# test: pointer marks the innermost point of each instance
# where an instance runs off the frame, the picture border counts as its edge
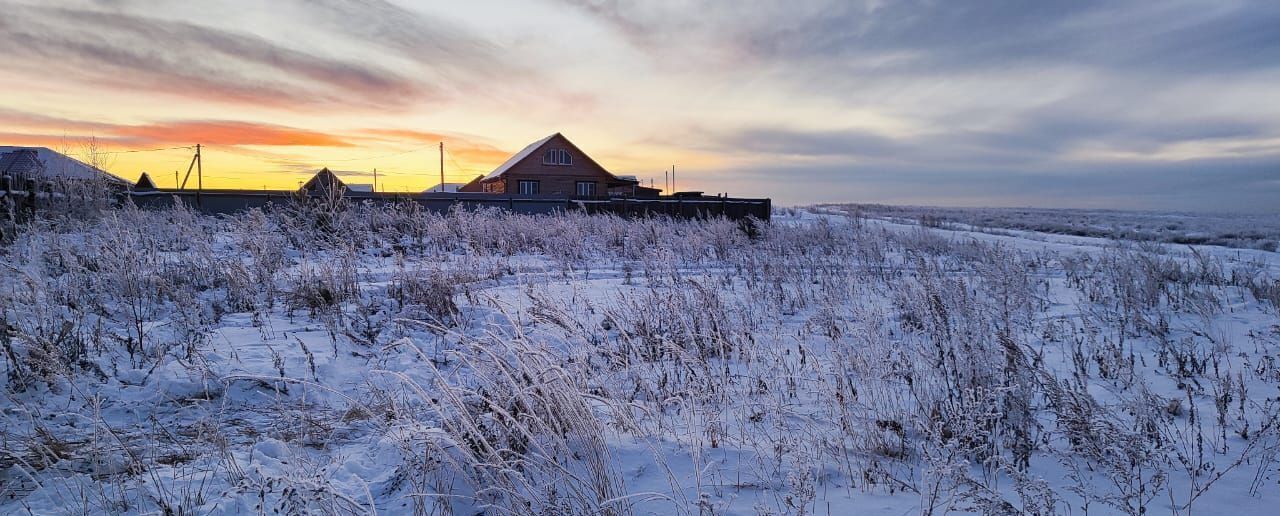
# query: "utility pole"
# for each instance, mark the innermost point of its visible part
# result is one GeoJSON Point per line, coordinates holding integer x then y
{"type": "Point", "coordinates": [375, 180]}
{"type": "Point", "coordinates": [673, 178]}
{"type": "Point", "coordinates": [199, 177]}
{"type": "Point", "coordinates": [666, 181]}
{"type": "Point", "coordinates": [175, 180]}
{"type": "Point", "coordinates": [442, 167]}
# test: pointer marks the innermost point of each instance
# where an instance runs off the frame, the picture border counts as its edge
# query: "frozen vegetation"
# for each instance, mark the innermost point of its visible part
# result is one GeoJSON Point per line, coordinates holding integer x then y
{"type": "Point", "coordinates": [330, 359]}
{"type": "Point", "coordinates": [1246, 231]}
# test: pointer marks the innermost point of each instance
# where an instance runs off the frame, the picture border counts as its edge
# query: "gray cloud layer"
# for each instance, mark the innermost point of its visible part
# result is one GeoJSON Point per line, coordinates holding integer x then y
{"type": "Point", "coordinates": [1012, 102]}
{"type": "Point", "coordinates": [931, 36]}
{"type": "Point", "coordinates": [1172, 102]}
{"type": "Point", "coordinates": [1219, 185]}
{"type": "Point", "coordinates": [120, 44]}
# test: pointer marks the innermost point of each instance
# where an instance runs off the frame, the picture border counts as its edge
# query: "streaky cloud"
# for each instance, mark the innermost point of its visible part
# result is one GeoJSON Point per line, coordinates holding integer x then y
{"type": "Point", "coordinates": [130, 51]}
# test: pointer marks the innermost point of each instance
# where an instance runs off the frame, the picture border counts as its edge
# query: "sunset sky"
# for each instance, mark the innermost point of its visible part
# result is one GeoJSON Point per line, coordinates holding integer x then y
{"type": "Point", "coordinates": [1115, 104]}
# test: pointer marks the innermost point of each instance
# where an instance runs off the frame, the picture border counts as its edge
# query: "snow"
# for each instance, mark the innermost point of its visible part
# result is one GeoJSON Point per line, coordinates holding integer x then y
{"type": "Point", "coordinates": [482, 362]}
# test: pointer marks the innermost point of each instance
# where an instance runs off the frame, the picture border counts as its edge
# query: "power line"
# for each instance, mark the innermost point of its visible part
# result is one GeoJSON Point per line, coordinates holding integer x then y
{"type": "Point", "coordinates": [146, 150]}
{"type": "Point", "coordinates": [466, 173]}
{"type": "Point", "coordinates": [455, 164]}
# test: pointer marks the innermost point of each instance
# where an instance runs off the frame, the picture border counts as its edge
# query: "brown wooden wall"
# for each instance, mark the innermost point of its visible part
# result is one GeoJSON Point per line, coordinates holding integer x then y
{"type": "Point", "coordinates": [558, 180]}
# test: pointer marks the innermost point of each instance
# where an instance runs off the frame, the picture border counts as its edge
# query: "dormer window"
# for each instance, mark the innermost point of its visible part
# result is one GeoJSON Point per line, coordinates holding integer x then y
{"type": "Point", "coordinates": [557, 157]}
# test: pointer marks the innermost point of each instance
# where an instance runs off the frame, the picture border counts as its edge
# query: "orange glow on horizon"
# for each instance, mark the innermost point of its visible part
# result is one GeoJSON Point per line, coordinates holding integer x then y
{"type": "Point", "coordinates": [255, 156]}
{"type": "Point", "coordinates": [227, 133]}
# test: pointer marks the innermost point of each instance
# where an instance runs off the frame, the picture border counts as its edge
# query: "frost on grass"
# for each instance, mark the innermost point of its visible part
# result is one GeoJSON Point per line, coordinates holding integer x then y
{"type": "Point", "coordinates": [332, 358]}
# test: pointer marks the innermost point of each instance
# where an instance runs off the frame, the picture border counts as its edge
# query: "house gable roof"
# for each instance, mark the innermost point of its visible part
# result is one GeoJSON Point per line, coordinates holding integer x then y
{"type": "Point", "coordinates": [518, 157]}
{"type": "Point", "coordinates": [533, 148]}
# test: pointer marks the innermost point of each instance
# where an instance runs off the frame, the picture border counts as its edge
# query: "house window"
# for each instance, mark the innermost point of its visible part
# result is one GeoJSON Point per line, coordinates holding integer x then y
{"type": "Point", "coordinates": [528, 187]}
{"type": "Point", "coordinates": [557, 157]}
{"type": "Point", "coordinates": [586, 189]}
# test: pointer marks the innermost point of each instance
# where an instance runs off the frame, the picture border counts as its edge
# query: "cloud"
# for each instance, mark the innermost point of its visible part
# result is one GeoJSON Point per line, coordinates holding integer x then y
{"type": "Point", "coordinates": [446, 48]}
{"type": "Point", "coordinates": [1223, 185]}
{"type": "Point", "coordinates": [1000, 84]}
{"type": "Point", "coordinates": [838, 94]}
{"type": "Point", "coordinates": [41, 127]}
{"type": "Point", "coordinates": [221, 132]}
{"type": "Point", "coordinates": [179, 58]}
{"type": "Point", "coordinates": [208, 132]}
{"type": "Point", "coordinates": [1034, 161]}
{"type": "Point", "coordinates": [51, 141]}
{"type": "Point", "coordinates": [123, 48]}
{"type": "Point", "coordinates": [926, 36]}
{"type": "Point", "coordinates": [848, 143]}
{"type": "Point", "coordinates": [1032, 141]}
{"type": "Point", "coordinates": [13, 118]}
{"type": "Point", "coordinates": [470, 148]}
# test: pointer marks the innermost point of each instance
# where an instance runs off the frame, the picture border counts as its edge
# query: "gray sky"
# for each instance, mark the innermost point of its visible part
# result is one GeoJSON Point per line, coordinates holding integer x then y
{"type": "Point", "coordinates": [1120, 104]}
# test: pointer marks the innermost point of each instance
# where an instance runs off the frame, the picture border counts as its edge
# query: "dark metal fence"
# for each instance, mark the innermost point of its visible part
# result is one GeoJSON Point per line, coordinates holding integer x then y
{"type": "Point", "coordinates": [231, 201]}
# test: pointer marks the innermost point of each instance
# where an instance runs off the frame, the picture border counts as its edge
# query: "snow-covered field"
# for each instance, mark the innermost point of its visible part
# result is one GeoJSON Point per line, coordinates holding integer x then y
{"type": "Point", "coordinates": [327, 359]}
{"type": "Point", "coordinates": [1244, 231]}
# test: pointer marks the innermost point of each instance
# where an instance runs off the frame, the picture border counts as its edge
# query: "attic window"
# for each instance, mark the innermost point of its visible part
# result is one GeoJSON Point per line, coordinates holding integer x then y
{"type": "Point", "coordinates": [557, 157]}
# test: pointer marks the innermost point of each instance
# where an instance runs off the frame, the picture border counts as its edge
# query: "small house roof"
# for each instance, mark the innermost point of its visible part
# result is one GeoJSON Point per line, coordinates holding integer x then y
{"type": "Point", "coordinates": [448, 188]}
{"type": "Point", "coordinates": [20, 162]}
{"type": "Point", "coordinates": [144, 183]}
{"type": "Point", "coordinates": [324, 179]}
{"type": "Point", "coordinates": [44, 163]}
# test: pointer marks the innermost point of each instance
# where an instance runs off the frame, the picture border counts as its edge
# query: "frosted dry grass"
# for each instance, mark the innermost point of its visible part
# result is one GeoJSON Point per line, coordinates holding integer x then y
{"type": "Point", "coordinates": [388, 359]}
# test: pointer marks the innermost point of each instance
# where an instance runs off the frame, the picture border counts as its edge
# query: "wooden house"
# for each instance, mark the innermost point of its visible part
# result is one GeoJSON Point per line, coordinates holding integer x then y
{"type": "Point", "coordinates": [552, 166]}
